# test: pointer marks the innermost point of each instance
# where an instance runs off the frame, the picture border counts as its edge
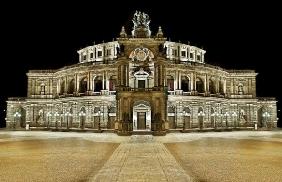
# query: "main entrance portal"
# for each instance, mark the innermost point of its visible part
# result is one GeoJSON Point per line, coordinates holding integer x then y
{"type": "Point", "coordinates": [141, 116]}
{"type": "Point", "coordinates": [141, 120]}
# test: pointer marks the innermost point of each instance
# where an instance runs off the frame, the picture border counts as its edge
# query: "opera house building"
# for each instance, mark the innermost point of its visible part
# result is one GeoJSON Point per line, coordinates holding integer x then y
{"type": "Point", "coordinates": [141, 83]}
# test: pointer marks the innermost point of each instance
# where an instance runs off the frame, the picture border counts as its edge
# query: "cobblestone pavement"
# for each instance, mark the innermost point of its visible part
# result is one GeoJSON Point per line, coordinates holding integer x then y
{"type": "Point", "coordinates": [141, 159]}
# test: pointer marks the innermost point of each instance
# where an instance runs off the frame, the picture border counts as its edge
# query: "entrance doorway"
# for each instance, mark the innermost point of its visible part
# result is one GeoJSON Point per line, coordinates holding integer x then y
{"type": "Point", "coordinates": [141, 120]}
{"type": "Point", "coordinates": [141, 116]}
{"type": "Point", "coordinates": [141, 83]}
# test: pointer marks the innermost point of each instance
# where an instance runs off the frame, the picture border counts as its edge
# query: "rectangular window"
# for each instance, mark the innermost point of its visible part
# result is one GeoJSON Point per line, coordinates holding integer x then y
{"type": "Point", "coordinates": [183, 53]}
{"type": "Point", "coordinates": [91, 55]}
{"type": "Point", "coordinates": [198, 57]}
{"type": "Point", "coordinates": [191, 56]}
{"type": "Point", "coordinates": [175, 52]}
{"type": "Point", "coordinates": [84, 57]}
{"type": "Point", "coordinates": [42, 89]}
{"type": "Point", "coordinates": [170, 84]}
{"type": "Point", "coordinates": [108, 52]}
{"type": "Point", "coordinates": [99, 53]}
{"type": "Point", "coordinates": [172, 52]}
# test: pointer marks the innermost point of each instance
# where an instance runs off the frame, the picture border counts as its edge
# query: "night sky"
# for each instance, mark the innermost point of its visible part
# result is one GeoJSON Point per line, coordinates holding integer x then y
{"type": "Point", "coordinates": [47, 36]}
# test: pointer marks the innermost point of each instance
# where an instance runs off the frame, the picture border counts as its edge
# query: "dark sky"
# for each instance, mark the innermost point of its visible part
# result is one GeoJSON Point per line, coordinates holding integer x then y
{"type": "Point", "coordinates": [47, 36]}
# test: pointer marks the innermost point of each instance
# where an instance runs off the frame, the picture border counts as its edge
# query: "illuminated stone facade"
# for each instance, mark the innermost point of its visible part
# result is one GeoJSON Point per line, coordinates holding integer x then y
{"type": "Point", "coordinates": [141, 82]}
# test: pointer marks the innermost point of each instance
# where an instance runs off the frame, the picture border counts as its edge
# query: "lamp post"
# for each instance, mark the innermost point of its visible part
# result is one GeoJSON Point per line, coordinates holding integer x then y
{"type": "Point", "coordinates": [201, 114]}
{"type": "Point", "coordinates": [226, 119]}
{"type": "Point", "coordinates": [49, 114]}
{"type": "Point", "coordinates": [56, 116]}
{"type": "Point", "coordinates": [265, 115]}
{"type": "Point", "coordinates": [16, 115]}
{"type": "Point", "coordinates": [81, 115]}
{"type": "Point", "coordinates": [234, 115]}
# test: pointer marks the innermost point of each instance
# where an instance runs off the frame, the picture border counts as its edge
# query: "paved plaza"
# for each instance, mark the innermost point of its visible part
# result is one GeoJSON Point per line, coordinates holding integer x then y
{"type": "Point", "coordinates": [70, 156]}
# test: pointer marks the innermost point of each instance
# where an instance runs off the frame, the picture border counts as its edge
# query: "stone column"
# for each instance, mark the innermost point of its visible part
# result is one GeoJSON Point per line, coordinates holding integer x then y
{"type": "Point", "coordinates": [77, 83]}
{"type": "Point", "coordinates": [66, 84]}
{"type": "Point", "coordinates": [127, 75]}
{"type": "Point", "coordinates": [179, 80]}
{"type": "Point", "coordinates": [107, 82]}
{"type": "Point", "coordinates": [156, 72]}
{"type": "Point", "coordinates": [103, 82]}
{"type": "Point", "coordinates": [91, 82]}
{"type": "Point", "coordinates": [58, 86]}
{"type": "Point", "coordinates": [205, 83]}
{"type": "Point", "coordinates": [224, 86]}
{"type": "Point", "coordinates": [176, 80]}
{"type": "Point", "coordinates": [195, 81]}
{"type": "Point", "coordinates": [88, 82]}
{"type": "Point", "coordinates": [217, 85]}
{"type": "Point", "coordinates": [208, 83]}
{"type": "Point", "coordinates": [192, 82]}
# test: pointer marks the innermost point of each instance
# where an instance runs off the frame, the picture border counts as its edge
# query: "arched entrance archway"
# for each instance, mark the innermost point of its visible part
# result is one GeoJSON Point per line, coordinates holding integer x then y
{"type": "Point", "coordinates": [141, 115]}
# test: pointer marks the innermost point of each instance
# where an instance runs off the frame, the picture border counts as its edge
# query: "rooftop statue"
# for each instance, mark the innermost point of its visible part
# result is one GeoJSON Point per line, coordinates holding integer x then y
{"type": "Point", "coordinates": [141, 19]}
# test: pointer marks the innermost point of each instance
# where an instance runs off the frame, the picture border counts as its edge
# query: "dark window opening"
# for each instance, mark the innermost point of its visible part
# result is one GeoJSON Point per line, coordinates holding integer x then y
{"type": "Point", "coordinates": [200, 86]}
{"type": "Point", "coordinates": [183, 53]}
{"type": "Point", "coordinates": [71, 87]}
{"type": "Point", "coordinates": [98, 86]}
{"type": "Point", "coordinates": [91, 55]}
{"type": "Point", "coordinates": [221, 90]}
{"type": "Point", "coordinates": [141, 83]}
{"type": "Point", "coordinates": [191, 56]}
{"type": "Point", "coordinates": [170, 84]}
{"type": "Point", "coordinates": [108, 52]}
{"type": "Point", "coordinates": [99, 53]}
{"type": "Point", "coordinates": [112, 85]}
{"type": "Point", "coordinates": [212, 87]}
{"type": "Point", "coordinates": [42, 89]}
{"type": "Point", "coordinates": [185, 85]}
{"type": "Point", "coordinates": [83, 86]}
{"type": "Point", "coordinates": [62, 89]}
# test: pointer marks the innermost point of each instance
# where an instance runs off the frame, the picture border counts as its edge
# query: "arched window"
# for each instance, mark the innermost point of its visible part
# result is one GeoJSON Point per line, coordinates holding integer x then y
{"type": "Point", "coordinates": [83, 85]}
{"type": "Point", "coordinates": [71, 87]}
{"type": "Point", "coordinates": [200, 85]}
{"type": "Point", "coordinates": [212, 87]}
{"type": "Point", "coordinates": [62, 89]}
{"type": "Point", "coordinates": [170, 83]}
{"type": "Point", "coordinates": [98, 85]}
{"type": "Point", "coordinates": [221, 90]}
{"type": "Point", "coordinates": [185, 84]}
{"type": "Point", "coordinates": [112, 83]}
